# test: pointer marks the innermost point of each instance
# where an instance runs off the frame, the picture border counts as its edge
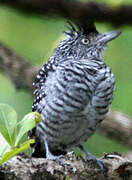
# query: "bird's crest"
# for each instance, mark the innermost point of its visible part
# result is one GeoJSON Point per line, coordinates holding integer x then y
{"type": "Point", "coordinates": [80, 29]}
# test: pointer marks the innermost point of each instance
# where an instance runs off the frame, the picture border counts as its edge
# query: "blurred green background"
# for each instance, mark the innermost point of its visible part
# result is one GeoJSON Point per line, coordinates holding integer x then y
{"type": "Point", "coordinates": [33, 38]}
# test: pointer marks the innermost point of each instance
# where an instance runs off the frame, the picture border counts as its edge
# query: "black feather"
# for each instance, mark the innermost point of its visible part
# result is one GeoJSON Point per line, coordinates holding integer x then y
{"type": "Point", "coordinates": [80, 28]}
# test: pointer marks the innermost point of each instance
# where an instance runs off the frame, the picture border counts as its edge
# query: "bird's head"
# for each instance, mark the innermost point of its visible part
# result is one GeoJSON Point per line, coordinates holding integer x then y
{"type": "Point", "coordinates": [86, 42]}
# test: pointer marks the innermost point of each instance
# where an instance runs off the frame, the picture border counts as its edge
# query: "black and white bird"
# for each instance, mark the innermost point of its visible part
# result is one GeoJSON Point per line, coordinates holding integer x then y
{"type": "Point", "coordinates": [73, 91]}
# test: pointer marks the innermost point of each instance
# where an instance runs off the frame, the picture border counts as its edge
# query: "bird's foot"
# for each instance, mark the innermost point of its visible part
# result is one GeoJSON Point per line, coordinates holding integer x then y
{"type": "Point", "coordinates": [56, 158]}
{"type": "Point", "coordinates": [93, 158]}
{"type": "Point", "coordinates": [52, 157]}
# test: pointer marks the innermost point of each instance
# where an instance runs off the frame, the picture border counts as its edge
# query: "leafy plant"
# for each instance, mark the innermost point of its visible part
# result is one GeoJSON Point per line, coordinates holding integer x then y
{"type": "Point", "coordinates": [13, 131]}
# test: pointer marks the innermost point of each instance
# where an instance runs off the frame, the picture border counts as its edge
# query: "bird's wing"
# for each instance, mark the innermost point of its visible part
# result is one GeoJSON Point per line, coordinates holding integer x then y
{"type": "Point", "coordinates": [39, 83]}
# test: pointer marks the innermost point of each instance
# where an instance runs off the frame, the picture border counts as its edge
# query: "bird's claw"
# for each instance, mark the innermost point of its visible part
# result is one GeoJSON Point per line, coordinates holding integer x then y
{"type": "Point", "coordinates": [98, 162]}
{"type": "Point", "coordinates": [57, 159]}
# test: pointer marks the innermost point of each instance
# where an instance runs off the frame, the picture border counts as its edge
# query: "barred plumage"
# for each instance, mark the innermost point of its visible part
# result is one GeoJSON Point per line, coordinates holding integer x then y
{"type": "Point", "coordinates": [73, 91]}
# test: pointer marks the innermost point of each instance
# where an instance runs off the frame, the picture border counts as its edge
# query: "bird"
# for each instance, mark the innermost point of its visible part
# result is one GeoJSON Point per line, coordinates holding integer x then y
{"type": "Point", "coordinates": [73, 92]}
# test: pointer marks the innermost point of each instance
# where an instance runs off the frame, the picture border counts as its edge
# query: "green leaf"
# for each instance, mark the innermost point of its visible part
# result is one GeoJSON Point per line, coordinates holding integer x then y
{"type": "Point", "coordinates": [29, 121]}
{"type": "Point", "coordinates": [8, 121]}
{"type": "Point", "coordinates": [16, 150]}
{"type": "Point", "coordinates": [3, 149]}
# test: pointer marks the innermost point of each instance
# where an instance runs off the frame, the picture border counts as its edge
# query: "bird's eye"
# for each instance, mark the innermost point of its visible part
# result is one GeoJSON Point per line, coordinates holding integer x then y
{"type": "Point", "coordinates": [85, 41]}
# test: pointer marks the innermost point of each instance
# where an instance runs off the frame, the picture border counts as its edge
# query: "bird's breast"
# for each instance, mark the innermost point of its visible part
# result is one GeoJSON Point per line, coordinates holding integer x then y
{"type": "Point", "coordinates": [103, 95]}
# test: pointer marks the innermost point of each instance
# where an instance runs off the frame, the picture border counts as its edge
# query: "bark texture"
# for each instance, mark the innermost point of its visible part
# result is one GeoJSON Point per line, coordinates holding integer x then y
{"type": "Point", "coordinates": [117, 167]}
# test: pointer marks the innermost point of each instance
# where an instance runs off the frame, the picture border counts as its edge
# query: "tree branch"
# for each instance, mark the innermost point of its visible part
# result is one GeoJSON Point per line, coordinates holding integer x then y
{"type": "Point", "coordinates": [116, 168]}
{"type": "Point", "coordinates": [20, 71]}
{"type": "Point", "coordinates": [118, 126]}
{"type": "Point", "coordinates": [75, 10]}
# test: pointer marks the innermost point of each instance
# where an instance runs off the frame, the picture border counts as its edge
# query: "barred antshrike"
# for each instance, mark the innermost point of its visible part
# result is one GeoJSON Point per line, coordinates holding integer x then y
{"type": "Point", "coordinates": [73, 92]}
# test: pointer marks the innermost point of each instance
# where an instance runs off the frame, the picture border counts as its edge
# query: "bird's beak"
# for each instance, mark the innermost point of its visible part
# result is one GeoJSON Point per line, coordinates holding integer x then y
{"type": "Point", "coordinates": [106, 37]}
